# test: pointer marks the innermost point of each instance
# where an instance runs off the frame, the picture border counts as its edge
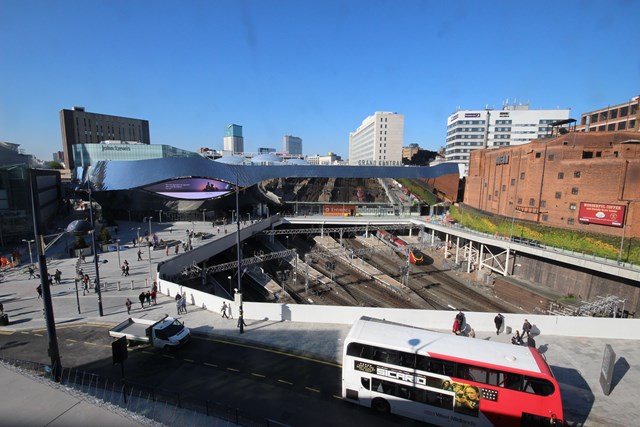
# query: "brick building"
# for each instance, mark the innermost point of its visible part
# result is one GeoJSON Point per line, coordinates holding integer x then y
{"type": "Point", "coordinates": [584, 181]}
{"type": "Point", "coordinates": [621, 117]}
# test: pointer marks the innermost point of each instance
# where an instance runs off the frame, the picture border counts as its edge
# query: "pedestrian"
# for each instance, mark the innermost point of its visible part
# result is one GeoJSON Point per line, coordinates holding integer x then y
{"type": "Point", "coordinates": [85, 287]}
{"type": "Point", "coordinates": [126, 269]}
{"type": "Point", "coordinates": [39, 290]}
{"type": "Point", "coordinates": [147, 297]}
{"type": "Point", "coordinates": [177, 248]}
{"type": "Point", "coordinates": [139, 255]}
{"type": "Point", "coordinates": [1, 309]}
{"type": "Point", "coordinates": [223, 310]}
{"type": "Point", "coordinates": [241, 320]}
{"type": "Point", "coordinates": [498, 322]}
{"type": "Point", "coordinates": [82, 255]}
{"type": "Point", "coordinates": [516, 339]}
{"type": "Point", "coordinates": [526, 328]}
{"type": "Point", "coordinates": [122, 270]}
{"type": "Point", "coordinates": [170, 229]}
{"type": "Point", "coordinates": [183, 303]}
{"type": "Point", "coordinates": [178, 303]}
{"type": "Point", "coordinates": [31, 272]}
{"type": "Point", "coordinates": [57, 276]}
{"type": "Point", "coordinates": [166, 249]}
{"type": "Point", "coordinates": [142, 297]}
{"type": "Point", "coordinates": [461, 320]}
{"type": "Point", "coordinates": [128, 304]}
{"type": "Point", "coordinates": [153, 295]}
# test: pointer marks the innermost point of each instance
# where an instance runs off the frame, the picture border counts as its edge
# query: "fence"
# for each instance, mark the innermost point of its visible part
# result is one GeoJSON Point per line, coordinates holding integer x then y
{"type": "Point", "coordinates": [154, 403]}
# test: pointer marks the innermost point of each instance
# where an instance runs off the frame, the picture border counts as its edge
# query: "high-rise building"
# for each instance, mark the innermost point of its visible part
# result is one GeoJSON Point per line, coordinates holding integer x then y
{"type": "Point", "coordinates": [233, 140]}
{"type": "Point", "coordinates": [621, 117]}
{"type": "Point", "coordinates": [469, 130]}
{"type": "Point", "coordinates": [378, 140]}
{"type": "Point", "coordinates": [81, 127]}
{"type": "Point", "coordinates": [292, 145]}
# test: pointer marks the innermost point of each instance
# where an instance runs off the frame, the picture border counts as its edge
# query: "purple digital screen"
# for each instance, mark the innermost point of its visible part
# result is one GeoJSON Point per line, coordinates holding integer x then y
{"type": "Point", "coordinates": [192, 188]}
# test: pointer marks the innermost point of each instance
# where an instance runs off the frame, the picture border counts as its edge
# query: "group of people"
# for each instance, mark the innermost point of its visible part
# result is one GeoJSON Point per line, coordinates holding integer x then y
{"type": "Point", "coordinates": [125, 268]}
{"type": "Point", "coordinates": [519, 339]}
{"type": "Point", "coordinates": [149, 297]}
{"type": "Point", "coordinates": [459, 328]}
{"type": "Point", "coordinates": [181, 303]}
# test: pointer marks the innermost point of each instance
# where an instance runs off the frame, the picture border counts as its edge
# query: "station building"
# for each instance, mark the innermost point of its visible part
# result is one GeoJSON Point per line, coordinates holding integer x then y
{"type": "Point", "coordinates": [620, 117]}
{"type": "Point", "coordinates": [583, 181]}
{"type": "Point", "coordinates": [378, 140]}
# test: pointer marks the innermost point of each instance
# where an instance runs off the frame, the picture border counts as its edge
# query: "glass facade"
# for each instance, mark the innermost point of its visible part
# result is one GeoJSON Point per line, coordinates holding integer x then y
{"type": "Point", "coordinates": [87, 154]}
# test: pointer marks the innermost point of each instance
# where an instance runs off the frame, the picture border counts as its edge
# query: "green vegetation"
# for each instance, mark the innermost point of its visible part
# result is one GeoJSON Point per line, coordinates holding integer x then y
{"type": "Point", "coordinates": [600, 245]}
{"type": "Point", "coordinates": [422, 192]}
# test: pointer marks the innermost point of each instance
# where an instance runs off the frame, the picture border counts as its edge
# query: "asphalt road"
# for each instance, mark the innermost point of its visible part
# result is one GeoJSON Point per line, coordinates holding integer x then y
{"type": "Point", "coordinates": [287, 388]}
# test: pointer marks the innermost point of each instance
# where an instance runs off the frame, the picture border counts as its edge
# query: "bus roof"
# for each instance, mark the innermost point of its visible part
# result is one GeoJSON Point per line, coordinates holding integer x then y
{"type": "Point", "coordinates": [412, 339]}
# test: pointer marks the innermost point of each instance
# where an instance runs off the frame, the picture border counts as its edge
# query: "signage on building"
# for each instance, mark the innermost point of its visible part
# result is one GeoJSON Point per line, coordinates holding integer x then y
{"type": "Point", "coordinates": [338, 210]}
{"type": "Point", "coordinates": [192, 188]}
{"type": "Point", "coordinates": [504, 114]}
{"type": "Point", "coordinates": [471, 115]}
{"type": "Point", "coordinates": [115, 147]}
{"type": "Point", "coordinates": [602, 213]}
{"type": "Point", "coordinates": [502, 160]}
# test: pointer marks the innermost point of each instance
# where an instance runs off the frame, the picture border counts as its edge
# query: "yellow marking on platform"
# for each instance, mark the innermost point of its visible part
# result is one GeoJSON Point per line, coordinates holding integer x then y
{"type": "Point", "coordinates": [233, 369]}
{"type": "Point", "coordinates": [285, 382]}
{"type": "Point", "coordinates": [38, 335]}
{"type": "Point", "coordinates": [258, 375]}
{"type": "Point", "coordinates": [282, 353]}
{"type": "Point", "coordinates": [6, 332]}
{"type": "Point", "coordinates": [312, 389]}
{"type": "Point", "coordinates": [25, 333]}
{"type": "Point", "coordinates": [211, 364]}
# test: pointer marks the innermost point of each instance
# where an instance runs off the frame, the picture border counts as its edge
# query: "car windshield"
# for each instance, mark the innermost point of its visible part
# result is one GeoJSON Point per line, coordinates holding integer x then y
{"type": "Point", "coordinates": [174, 328]}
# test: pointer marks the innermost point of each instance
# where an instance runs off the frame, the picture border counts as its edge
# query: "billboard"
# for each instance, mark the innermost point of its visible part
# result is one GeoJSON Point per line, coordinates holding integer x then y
{"type": "Point", "coordinates": [602, 213]}
{"type": "Point", "coordinates": [192, 188]}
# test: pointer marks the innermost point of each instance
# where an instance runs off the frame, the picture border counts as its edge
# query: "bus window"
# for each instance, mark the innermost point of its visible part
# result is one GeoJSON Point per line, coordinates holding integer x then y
{"type": "Point", "coordinates": [513, 381]}
{"type": "Point", "coordinates": [538, 386]}
{"type": "Point", "coordinates": [477, 374]}
{"type": "Point", "coordinates": [366, 382]}
{"type": "Point", "coordinates": [408, 360]}
{"type": "Point", "coordinates": [359, 350]}
{"type": "Point", "coordinates": [496, 378]}
{"type": "Point", "coordinates": [441, 367]}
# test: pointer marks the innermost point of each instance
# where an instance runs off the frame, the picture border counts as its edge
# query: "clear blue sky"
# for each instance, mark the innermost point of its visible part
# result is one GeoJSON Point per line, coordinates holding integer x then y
{"type": "Point", "coordinates": [313, 69]}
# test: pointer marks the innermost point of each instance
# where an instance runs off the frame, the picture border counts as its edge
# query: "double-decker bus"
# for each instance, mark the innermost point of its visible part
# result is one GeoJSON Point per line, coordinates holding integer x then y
{"type": "Point", "coordinates": [399, 245]}
{"type": "Point", "coordinates": [447, 379]}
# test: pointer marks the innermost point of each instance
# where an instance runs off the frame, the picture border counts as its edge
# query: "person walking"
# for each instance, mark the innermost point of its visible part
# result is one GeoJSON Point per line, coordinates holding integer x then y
{"type": "Point", "coordinates": [139, 255]}
{"type": "Point", "coordinates": [85, 287]}
{"type": "Point", "coordinates": [142, 297]}
{"type": "Point", "coordinates": [223, 310]}
{"type": "Point", "coordinates": [31, 272]}
{"type": "Point", "coordinates": [128, 305]}
{"type": "Point", "coordinates": [39, 290]}
{"type": "Point", "coordinates": [123, 270]}
{"type": "Point", "coordinates": [498, 322]}
{"type": "Point", "coordinates": [179, 303]}
{"type": "Point", "coordinates": [126, 268]}
{"type": "Point", "coordinates": [526, 328]}
{"type": "Point", "coordinates": [57, 276]}
{"type": "Point", "coordinates": [183, 303]}
{"type": "Point", "coordinates": [147, 297]}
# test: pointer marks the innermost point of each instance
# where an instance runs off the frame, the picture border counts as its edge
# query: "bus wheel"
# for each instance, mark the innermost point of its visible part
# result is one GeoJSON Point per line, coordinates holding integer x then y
{"type": "Point", "coordinates": [380, 405]}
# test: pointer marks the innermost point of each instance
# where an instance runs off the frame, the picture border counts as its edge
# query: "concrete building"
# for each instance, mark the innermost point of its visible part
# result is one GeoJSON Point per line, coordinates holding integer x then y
{"type": "Point", "coordinates": [81, 127]}
{"type": "Point", "coordinates": [329, 159]}
{"type": "Point", "coordinates": [469, 130]}
{"type": "Point", "coordinates": [583, 181]}
{"type": "Point", "coordinates": [292, 145]}
{"type": "Point", "coordinates": [378, 140]}
{"type": "Point", "coordinates": [621, 117]}
{"type": "Point", "coordinates": [233, 140]}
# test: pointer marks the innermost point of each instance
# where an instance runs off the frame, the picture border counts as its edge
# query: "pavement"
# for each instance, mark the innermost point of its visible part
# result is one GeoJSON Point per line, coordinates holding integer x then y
{"type": "Point", "coordinates": [576, 361]}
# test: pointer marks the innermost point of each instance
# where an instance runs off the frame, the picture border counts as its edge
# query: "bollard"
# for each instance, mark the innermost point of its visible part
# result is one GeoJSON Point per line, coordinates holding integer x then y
{"type": "Point", "coordinates": [146, 283]}
{"type": "Point", "coordinates": [118, 285]}
{"type": "Point", "coordinates": [132, 285]}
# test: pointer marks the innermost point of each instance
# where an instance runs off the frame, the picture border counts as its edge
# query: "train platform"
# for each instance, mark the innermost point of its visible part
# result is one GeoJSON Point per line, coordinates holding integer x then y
{"type": "Point", "coordinates": [576, 361]}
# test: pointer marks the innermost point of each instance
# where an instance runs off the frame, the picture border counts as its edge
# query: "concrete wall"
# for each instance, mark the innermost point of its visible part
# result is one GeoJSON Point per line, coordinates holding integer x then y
{"type": "Point", "coordinates": [591, 327]}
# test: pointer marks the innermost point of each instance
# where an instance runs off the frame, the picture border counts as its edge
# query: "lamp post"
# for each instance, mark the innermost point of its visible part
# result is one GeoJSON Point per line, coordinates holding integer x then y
{"type": "Point", "coordinates": [159, 216]}
{"type": "Point", "coordinates": [148, 219]}
{"type": "Point", "coordinates": [233, 215]}
{"type": "Point", "coordinates": [118, 250]}
{"type": "Point", "coordinates": [239, 291]}
{"type": "Point", "coordinates": [204, 211]}
{"type": "Point", "coordinates": [79, 228]}
{"type": "Point", "coordinates": [29, 242]}
{"type": "Point", "coordinates": [54, 353]}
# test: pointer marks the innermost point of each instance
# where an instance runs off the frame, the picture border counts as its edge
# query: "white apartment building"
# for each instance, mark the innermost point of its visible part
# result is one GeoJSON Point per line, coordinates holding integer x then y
{"type": "Point", "coordinates": [378, 140]}
{"type": "Point", "coordinates": [469, 130]}
{"type": "Point", "coordinates": [292, 145]}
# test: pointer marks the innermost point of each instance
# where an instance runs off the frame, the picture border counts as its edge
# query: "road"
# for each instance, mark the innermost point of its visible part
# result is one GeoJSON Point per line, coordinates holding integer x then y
{"type": "Point", "coordinates": [267, 383]}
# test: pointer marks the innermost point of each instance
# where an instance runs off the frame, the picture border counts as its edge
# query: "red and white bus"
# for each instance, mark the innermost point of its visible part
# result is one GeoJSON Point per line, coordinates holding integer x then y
{"type": "Point", "coordinates": [446, 379]}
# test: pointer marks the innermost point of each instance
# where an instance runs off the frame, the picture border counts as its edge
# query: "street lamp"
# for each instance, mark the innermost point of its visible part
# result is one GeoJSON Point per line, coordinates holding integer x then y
{"type": "Point", "coordinates": [81, 227]}
{"type": "Point", "coordinates": [203, 215]}
{"type": "Point", "coordinates": [29, 242]}
{"type": "Point", "coordinates": [118, 250]}
{"type": "Point", "coordinates": [54, 353]}
{"type": "Point", "coordinates": [77, 227]}
{"type": "Point", "coordinates": [148, 219]}
{"type": "Point", "coordinates": [230, 285]}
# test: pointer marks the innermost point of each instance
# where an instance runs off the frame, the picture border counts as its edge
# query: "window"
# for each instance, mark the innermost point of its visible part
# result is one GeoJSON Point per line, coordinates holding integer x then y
{"type": "Point", "coordinates": [598, 153]}
{"type": "Point", "coordinates": [576, 174]}
{"type": "Point", "coordinates": [496, 193]}
{"type": "Point", "coordinates": [504, 187]}
{"type": "Point", "coordinates": [587, 154]}
{"type": "Point", "coordinates": [519, 200]}
{"type": "Point", "coordinates": [538, 155]}
{"type": "Point", "coordinates": [560, 175]}
{"type": "Point", "coordinates": [551, 157]}
{"type": "Point", "coordinates": [532, 202]}
{"type": "Point", "coordinates": [570, 221]}
{"type": "Point", "coordinates": [622, 125]}
{"type": "Point", "coordinates": [543, 203]}
{"type": "Point", "coordinates": [545, 217]}
{"type": "Point", "coordinates": [513, 181]}
{"type": "Point", "coordinates": [521, 175]}
{"type": "Point", "coordinates": [574, 191]}
{"type": "Point", "coordinates": [558, 195]}
{"type": "Point", "coordinates": [572, 206]}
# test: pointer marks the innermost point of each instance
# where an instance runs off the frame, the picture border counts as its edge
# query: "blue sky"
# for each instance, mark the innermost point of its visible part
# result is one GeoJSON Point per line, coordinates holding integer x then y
{"type": "Point", "coordinates": [313, 69]}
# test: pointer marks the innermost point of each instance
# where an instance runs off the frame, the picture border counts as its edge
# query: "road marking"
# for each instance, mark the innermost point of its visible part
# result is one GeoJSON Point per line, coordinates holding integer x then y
{"type": "Point", "coordinates": [313, 389]}
{"type": "Point", "coordinates": [69, 339]}
{"type": "Point", "coordinates": [233, 369]}
{"type": "Point", "coordinates": [90, 343]}
{"type": "Point", "coordinates": [211, 364]}
{"type": "Point", "coordinates": [337, 397]}
{"type": "Point", "coordinates": [285, 382]}
{"type": "Point", "coordinates": [282, 353]}
{"type": "Point", "coordinates": [188, 360]}
{"type": "Point", "coordinates": [38, 335]}
{"type": "Point", "coordinates": [168, 356]}
{"type": "Point", "coordinates": [258, 375]}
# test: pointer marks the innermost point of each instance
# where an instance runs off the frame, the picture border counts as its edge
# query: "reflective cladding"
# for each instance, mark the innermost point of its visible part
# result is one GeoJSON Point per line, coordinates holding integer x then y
{"type": "Point", "coordinates": [126, 175]}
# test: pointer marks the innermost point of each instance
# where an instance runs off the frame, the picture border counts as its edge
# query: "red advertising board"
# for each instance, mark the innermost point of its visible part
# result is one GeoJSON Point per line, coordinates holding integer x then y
{"type": "Point", "coordinates": [602, 213]}
{"type": "Point", "coordinates": [338, 210]}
